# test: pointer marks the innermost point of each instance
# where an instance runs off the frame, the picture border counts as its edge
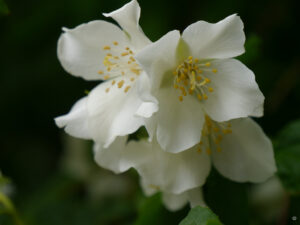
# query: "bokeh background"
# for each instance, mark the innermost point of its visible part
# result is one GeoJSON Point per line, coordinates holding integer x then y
{"type": "Point", "coordinates": [53, 177]}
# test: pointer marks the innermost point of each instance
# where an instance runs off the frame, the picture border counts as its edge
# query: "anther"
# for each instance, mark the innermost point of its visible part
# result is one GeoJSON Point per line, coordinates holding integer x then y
{"type": "Point", "coordinates": [116, 43]}
{"type": "Point", "coordinates": [180, 98]}
{"type": "Point", "coordinates": [214, 70]}
{"type": "Point", "coordinates": [207, 80]}
{"type": "Point", "coordinates": [199, 97]}
{"type": "Point", "coordinates": [106, 47]}
{"type": "Point", "coordinates": [113, 82]}
{"type": "Point", "coordinates": [106, 77]}
{"type": "Point", "coordinates": [100, 72]}
{"type": "Point", "coordinates": [136, 71]}
{"type": "Point", "coordinates": [107, 90]}
{"type": "Point", "coordinates": [132, 79]}
{"type": "Point", "coordinates": [210, 89]}
{"type": "Point", "coordinates": [207, 64]}
{"type": "Point", "coordinates": [124, 53]}
{"type": "Point", "coordinates": [120, 83]}
{"type": "Point", "coordinates": [205, 97]}
{"type": "Point", "coordinates": [126, 88]}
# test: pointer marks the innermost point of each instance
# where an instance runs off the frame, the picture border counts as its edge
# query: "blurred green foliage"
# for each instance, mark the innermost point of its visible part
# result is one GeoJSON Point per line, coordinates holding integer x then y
{"type": "Point", "coordinates": [34, 89]}
{"type": "Point", "coordinates": [3, 8]}
{"type": "Point", "coordinates": [288, 157]}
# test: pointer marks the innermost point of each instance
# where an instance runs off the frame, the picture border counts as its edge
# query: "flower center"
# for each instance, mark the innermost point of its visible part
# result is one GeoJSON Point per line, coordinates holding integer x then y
{"type": "Point", "coordinates": [191, 77]}
{"type": "Point", "coordinates": [212, 135]}
{"type": "Point", "coordinates": [119, 61]}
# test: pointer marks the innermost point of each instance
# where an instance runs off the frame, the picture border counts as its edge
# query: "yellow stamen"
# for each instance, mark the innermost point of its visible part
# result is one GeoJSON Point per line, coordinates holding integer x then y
{"type": "Point", "coordinates": [198, 78]}
{"type": "Point", "coordinates": [214, 70]}
{"type": "Point", "coordinates": [210, 89]}
{"type": "Point", "coordinates": [106, 47]}
{"type": "Point", "coordinates": [116, 43]}
{"type": "Point", "coordinates": [136, 71]}
{"type": "Point", "coordinates": [100, 72]}
{"type": "Point", "coordinates": [207, 80]}
{"type": "Point", "coordinates": [132, 79]}
{"type": "Point", "coordinates": [207, 64]}
{"type": "Point", "coordinates": [106, 77]}
{"type": "Point", "coordinates": [180, 98]}
{"type": "Point", "coordinates": [126, 89]}
{"type": "Point", "coordinates": [120, 83]}
{"type": "Point", "coordinates": [199, 96]}
{"type": "Point", "coordinates": [124, 53]}
{"type": "Point", "coordinates": [113, 82]}
{"type": "Point", "coordinates": [107, 90]}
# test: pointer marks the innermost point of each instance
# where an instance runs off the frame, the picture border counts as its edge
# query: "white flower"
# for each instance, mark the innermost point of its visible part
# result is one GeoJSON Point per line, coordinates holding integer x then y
{"type": "Point", "coordinates": [100, 50]}
{"type": "Point", "coordinates": [238, 149]}
{"type": "Point", "coordinates": [175, 202]}
{"type": "Point", "coordinates": [193, 74]}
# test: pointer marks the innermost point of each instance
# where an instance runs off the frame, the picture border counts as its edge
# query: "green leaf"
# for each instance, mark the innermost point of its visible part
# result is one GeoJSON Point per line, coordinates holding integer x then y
{"type": "Point", "coordinates": [287, 154]}
{"type": "Point", "coordinates": [3, 8]}
{"type": "Point", "coordinates": [201, 216]}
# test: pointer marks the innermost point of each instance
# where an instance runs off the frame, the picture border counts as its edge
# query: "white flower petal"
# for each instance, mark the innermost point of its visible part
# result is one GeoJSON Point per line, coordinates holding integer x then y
{"type": "Point", "coordinates": [147, 109]}
{"type": "Point", "coordinates": [174, 202]}
{"type": "Point", "coordinates": [247, 153]}
{"type": "Point", "coordinates": [174, 173]}
{"type": "Point", "coordinates": [224, 39]}
{"type": "Point", "coordinates": [235, 95]}
{"type": "Point", "coordinates": [158, 58]}
{"type": "Point", "coordinates": [128, 18]}
{"type": "Point", "coordinates": [76, 122]}
{"type": "Point", "coordinates": [80, 50]}
{"type": "Point", "coordinates": [195, 197]}
{"type": "Point", "coordinates": [150, 103]}
{"type": "Point", "coordinates": [112, 158]}
{"type": "Point", "coordinates": [179, 124]}
{"type": "Point", "coordinates": [112, 113]}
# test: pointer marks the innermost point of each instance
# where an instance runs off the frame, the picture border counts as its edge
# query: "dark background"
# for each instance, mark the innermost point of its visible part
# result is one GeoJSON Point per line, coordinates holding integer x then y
{"type": "Point", "coordinates": [34, 89]}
